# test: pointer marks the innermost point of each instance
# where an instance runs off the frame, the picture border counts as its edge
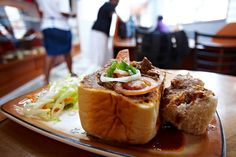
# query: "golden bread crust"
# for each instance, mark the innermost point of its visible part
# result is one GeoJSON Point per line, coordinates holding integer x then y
{"type": "Point", "coordinates": [115, 117]}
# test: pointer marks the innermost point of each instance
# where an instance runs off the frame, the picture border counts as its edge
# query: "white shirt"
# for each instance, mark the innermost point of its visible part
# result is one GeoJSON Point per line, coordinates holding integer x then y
{"type": "Point", "coordinates": [52, 17]}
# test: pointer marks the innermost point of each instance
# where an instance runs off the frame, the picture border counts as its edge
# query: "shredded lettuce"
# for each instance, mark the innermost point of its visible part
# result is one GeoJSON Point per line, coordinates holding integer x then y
{"type": "Point", "coordinates": [60, 95]}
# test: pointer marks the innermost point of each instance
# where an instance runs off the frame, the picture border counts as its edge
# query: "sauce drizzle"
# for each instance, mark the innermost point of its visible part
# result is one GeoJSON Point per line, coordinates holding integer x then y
{"type": "Point", "coordinates": [167, 138]}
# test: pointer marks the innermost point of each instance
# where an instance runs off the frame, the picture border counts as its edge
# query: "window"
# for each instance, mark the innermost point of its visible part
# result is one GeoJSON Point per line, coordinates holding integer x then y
{"type": "Point", "coordinates": [189, 11]}
{"type": "Point", "coordinates": [16, 21]}
{"type": "Point", "coordinates": [232, 11]}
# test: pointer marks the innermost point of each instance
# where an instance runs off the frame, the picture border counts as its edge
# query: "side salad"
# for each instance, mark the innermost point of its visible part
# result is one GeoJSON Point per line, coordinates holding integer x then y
{"type": "Point", "coordinates": [49, 103]}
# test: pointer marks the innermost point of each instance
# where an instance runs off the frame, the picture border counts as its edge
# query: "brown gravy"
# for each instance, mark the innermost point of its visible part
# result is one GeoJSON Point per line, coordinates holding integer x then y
{"type": "Point", "coordinates": [167, 138]}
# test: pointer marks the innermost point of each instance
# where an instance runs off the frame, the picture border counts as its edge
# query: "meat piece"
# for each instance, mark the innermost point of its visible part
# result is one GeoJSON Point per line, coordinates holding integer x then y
{"type": "Point", "coordinates": [188, 105]}
{"type": "Point", "coordinates": [147, 69]}
{"type": "Point", "coordinates": [145, 65]}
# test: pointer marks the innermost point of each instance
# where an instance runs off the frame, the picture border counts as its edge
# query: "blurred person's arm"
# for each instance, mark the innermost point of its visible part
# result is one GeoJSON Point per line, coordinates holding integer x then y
{"type": "Point", "coordinates": [65, 9]}
{"type": "Point", "coordinates": [39, 9]}
{"type": "Point", "coordinates": [110, 10]}
{"type": "Point", "coordinates": [69, 15]}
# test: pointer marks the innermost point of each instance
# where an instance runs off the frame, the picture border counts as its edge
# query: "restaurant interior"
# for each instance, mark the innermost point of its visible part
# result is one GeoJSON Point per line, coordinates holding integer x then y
{"type": "Point", "coordinates": [133, 28]}
{"type": "Point", "coordinates": [201, 37]}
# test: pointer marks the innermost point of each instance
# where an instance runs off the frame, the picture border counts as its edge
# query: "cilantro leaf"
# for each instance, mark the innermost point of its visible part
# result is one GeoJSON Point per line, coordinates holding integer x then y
{"type": "Point", "coordinates": [112, 68]}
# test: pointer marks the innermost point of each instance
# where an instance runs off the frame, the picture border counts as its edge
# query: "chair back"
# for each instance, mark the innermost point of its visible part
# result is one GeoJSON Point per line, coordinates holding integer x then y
{"type": "Point", "coordinates": [214, 57]}
{"type": "Point", "coordinates": [155, 46]}
{"type": "Point", "coordinates": [160, 48]}
{"type": "Point", "coordinates": [164, 55]}
{"type": "Point", "coordinates": [180, 47]}
{"type": "Point", "coordinates": [143, 38]}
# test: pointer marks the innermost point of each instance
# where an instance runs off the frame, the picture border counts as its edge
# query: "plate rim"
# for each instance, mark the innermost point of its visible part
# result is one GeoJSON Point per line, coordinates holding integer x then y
{"type": "Point", "coordinates": [223, 143]}
{"type": "Point", "coordinates": [62, 138]}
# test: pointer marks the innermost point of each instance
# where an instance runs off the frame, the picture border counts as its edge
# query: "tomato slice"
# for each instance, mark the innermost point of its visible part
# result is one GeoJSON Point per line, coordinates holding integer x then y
{"type": "Point", "coordinates": [123, 55]}
{"type": "Point", "coordinates": [137, 88]}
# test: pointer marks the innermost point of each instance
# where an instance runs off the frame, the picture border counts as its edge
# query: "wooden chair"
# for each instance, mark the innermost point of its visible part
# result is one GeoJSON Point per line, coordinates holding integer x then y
{"type": "Point", "coordinates": [143, 39]}
{"type": "Point", "coordinates": [155, 46]}
{"type": "Point", "coordinates": [214, 57]}
{"type": "Point", "coordinates": [180, 48]}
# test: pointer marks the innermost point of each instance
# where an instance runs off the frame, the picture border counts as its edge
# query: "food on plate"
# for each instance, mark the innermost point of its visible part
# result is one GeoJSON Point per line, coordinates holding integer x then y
{"type": "Point", "coordinates": [188, 105]}
{"type": "Point", "coordinates": [49, 103]}
{"type": "Point", "coordinates": [120, 102]}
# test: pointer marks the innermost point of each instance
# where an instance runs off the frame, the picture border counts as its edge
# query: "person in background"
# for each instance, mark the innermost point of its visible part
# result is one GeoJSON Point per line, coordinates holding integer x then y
{"type": "Point", "coordinates": [57, 37]}
{"type": "Point", "coordinates": [161, 27]}
{"type": "Point", "coordinates": [100, 33]}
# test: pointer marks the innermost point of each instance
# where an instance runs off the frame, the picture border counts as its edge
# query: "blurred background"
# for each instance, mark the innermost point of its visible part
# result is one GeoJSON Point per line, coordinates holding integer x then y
{"type": "Point", "coordinates": [134, 26]}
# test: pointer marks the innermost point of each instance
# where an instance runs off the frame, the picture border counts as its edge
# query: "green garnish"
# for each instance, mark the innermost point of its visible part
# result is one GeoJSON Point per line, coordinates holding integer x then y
{"type": "Point", "coordinates": [112, 68]}
{"type": "Point", "coordinates": [134, 71]}
{"type": "Point", "coordinates": [121, 66]}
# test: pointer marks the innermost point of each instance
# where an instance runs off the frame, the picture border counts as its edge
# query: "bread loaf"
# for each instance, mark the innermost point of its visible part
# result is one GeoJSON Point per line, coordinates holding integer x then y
{"type": "Point", "coordinates": [188, 105]}
{"type": "Point", "coordinates": [113, 116]}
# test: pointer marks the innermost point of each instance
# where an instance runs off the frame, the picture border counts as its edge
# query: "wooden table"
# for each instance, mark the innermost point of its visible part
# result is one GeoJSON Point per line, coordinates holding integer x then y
{"type": "Point", "coordinates": [19, 71]}
{"type": "Point", "coordinates": [18, 141]}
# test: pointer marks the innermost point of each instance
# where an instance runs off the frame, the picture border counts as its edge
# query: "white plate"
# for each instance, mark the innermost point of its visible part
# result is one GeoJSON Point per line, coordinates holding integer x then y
{"type": "Point", "coordinates": [170, 142]}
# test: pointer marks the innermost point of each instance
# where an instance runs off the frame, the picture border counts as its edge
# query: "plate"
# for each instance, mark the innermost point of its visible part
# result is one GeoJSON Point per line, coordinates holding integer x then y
{"type": "Point", "coordinates": [168, 142]}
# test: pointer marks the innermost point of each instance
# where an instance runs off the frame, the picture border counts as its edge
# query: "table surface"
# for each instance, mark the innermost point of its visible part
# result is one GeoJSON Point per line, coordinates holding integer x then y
{"type": "Point", "coordinates": [127, 43]}
{"type": "Point", "coordinates": [17, 140]}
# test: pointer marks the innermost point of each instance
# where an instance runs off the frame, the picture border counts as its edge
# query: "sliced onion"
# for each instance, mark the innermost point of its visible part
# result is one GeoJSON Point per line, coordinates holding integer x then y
{"type": "Point", "coordinates": [136, 76]}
